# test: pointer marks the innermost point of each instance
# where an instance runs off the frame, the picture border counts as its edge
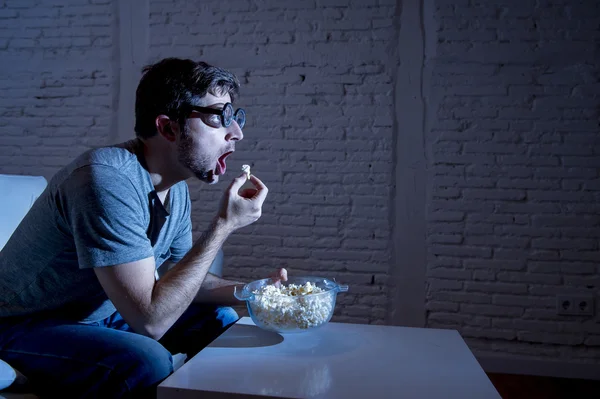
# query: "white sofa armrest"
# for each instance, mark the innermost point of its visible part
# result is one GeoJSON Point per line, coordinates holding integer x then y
{"type": "Point", "coordinates": [18, 193]}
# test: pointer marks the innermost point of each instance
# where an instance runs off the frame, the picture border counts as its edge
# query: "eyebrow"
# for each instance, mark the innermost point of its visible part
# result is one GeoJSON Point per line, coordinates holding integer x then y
{"type": "Point", "coordinates": [215, 105]}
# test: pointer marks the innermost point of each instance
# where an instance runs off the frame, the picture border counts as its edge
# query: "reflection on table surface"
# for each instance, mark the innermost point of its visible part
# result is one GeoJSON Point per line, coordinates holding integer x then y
{"type": "Point", "coordinates": [245, 336]}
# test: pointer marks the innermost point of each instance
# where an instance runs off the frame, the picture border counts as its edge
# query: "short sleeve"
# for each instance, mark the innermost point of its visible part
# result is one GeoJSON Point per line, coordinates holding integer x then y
{"type": "Point", "coordinates": [106, 217]}
{"type": "Point", "coordinates": [182, 242]}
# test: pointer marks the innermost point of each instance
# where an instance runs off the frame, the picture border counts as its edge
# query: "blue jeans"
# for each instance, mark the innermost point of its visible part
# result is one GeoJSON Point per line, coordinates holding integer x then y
{"type": "Point", "coordinates": [105, 359]}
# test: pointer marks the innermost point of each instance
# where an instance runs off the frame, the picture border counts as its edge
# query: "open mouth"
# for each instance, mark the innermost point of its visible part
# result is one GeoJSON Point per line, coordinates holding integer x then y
{"type": "Point", "coordinates": [221, 166]}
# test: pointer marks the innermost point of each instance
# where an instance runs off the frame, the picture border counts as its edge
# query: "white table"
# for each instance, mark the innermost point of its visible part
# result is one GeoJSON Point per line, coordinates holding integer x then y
{"type": "Point", "coordinates": [336, 361]}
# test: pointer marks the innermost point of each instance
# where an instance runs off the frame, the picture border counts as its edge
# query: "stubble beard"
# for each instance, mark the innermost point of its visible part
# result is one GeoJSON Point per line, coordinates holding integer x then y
{"type": "Point", "coordinates": [198, 166]}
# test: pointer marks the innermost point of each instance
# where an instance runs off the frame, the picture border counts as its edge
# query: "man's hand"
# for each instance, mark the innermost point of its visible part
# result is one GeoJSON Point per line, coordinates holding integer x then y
{"type": "Point", "coordinates": [216, 290]}
{"type": "Point", "coordinates": [279, 276]}
{"type": "Point", "coordinates": [241, 208]}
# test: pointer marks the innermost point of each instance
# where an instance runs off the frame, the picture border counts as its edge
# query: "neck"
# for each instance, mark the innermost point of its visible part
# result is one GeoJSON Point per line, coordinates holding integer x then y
{"type": "Point", "coordinates": [159, 164]}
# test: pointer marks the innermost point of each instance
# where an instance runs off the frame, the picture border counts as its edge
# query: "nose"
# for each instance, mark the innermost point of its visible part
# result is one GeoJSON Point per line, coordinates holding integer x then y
{"type": "Point", "coordinates": [234, 132]}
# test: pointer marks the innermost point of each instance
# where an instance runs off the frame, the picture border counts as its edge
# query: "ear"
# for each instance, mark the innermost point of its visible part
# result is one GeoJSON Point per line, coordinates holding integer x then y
{"type": "Point", "coordinates": [166, 127]}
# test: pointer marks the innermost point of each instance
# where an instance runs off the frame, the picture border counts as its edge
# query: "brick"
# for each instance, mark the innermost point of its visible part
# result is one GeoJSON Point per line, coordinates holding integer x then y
{"type": "Point", "coordinates": [341, 255]}
{"type": "Point", "coordinates": [521, 349]}
{"type": "Point", "coordinates": [446, 193]}
{"type": "Point", "coordinates": [541, 137]}
{"type": "Point", "coordinates": [551, 290]}
{"type": "Point", "coordinates": [528, 208]}
{"type": "Point", "coordinates": [8, 13]}
{"type": "Point", "coordinates": [582, 281]}
{"type": "Point", "coordinates": [463, 159]}
{"type": "Point", "coordinates": [593, 185]}
{"type": "Point", "coordinates": [473, 229]}
{"type": "Point", "coordinates": [437, 306]}
{"type": "Point", "coordinates": [527, 184]}
{"type": "Point", "coordinates": [491, 310]}
{"type": "Point", "coordinates": [512, 254]}
{"type": "Point", "coordinates": [562, 267]}
{"type": "Point", "coordinates": [467, 206]}
{"type": "Point", "coordinates": [496, 219]}
{"type": "Point", "coordinates": [442, 285]}
{"type": "Point", "coordinates": [461, 297]}
{"type": "Point", "coordinates": [493, 148]}
{"type": "Point", "coordinates": [484, 275]}
{"type": "Point", "coordinates": [374, 244]}
{"type": "Point", "coordinates": [487, 333]}
{"type": "Point", "coordinates": [445, 238]}
{"type": "Point", "coordinates": [583, 162]}
{"type": "Point", "coordinates": [575, 244]}
{"type": "Point", "coordinates": [501, 288]}
{"type": "Point", "coordinates": [529, 278]}
{"type": "Point", "coordinates": [591, 209]}
{"type": "Point", "coordinates": [448, 170]}
{"type": "Point", "coordinates": [444, 320]}
{"type": "Point", "coordinates": [446, 216]}
{"type": "Point", "coordinates": [527, 325]}
{"type": "Point", "coordinates": [468, 182]}
{"type": "Point", "coordinates": [500, 242]}
{"type": "Point", "coordinates": [445, 228]}
{"type": "Point", "coordinates": [550, 338]}
{"type": "Point", "coordinates": [566, 221]}
{"type": "Point", "coordinates": [529, 160]}
{"type": "Point", "coordinates": [581, 137]}
{"type": "Point", "coordinates": [593, 340]}
{"type": "Point", "coordinates": [493, 194]}
{"type": "Point", "coordinates": [450, 273]}
{"type": "Point", "coordinates": [494, 264]}
{"type": "Point", "coordinates": [452, 250]}
{"type": "Point", "coordinates": [513, 172]}
{"type": "Point", "coordinates": [560, 149]}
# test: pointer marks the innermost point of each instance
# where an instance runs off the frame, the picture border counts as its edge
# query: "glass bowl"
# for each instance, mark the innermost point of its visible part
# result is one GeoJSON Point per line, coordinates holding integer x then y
{"type": "Point", "coordinates": [291, 314]}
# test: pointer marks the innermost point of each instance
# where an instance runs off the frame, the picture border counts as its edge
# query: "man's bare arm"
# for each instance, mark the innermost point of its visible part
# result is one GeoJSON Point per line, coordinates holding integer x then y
{"type": "Point", "coordinates": [218, 291]}
{"type": "Point", "coordinates": [151, 307]}
{"type": "Point", "coordinates": [214, 290]}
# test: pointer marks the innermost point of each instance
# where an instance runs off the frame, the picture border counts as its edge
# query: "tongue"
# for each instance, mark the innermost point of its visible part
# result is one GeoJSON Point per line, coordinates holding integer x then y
{"type": "Point", "coordinates": [221, 166]}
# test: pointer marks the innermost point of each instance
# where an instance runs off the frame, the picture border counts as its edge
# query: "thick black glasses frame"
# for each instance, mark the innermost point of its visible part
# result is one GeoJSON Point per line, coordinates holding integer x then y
{"type": "Point", "coordinates": [221, 112]}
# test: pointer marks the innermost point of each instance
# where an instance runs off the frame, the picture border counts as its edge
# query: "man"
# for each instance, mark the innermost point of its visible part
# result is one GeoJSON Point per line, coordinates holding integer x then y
{"type": "Point", "coordinates": [82, 309]}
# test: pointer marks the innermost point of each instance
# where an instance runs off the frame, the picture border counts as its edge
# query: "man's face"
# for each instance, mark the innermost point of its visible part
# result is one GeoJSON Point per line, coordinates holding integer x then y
{"type": "Point", "coordinates": [202, 147]}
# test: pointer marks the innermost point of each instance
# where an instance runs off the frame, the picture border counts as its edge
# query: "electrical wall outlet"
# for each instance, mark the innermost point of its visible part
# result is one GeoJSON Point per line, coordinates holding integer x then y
{"type": "Point", "coordinates": [575, 305]}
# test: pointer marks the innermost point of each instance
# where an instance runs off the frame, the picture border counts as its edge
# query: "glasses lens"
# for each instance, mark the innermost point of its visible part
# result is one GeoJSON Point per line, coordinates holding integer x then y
{"type": "Point", "coordinates": [240, 117]}
{"type": "Point", "coordinates": [227, 114]}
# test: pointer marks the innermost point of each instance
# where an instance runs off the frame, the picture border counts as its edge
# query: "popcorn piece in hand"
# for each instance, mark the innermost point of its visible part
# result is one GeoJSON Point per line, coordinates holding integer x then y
{"type": "Point", "coordinates": [246, 170]}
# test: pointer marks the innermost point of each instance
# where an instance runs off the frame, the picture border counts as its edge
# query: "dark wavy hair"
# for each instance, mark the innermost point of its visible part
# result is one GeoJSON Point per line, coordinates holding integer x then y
{"type": "Point", "coordinates": [171, 85]}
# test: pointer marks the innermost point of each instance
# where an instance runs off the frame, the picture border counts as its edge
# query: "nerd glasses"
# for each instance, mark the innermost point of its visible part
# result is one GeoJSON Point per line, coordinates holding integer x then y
{"type": "Point", "coordinates": [222, 117]}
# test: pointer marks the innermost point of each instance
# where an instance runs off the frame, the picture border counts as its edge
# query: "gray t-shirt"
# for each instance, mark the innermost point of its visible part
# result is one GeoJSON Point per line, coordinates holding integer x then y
{"type": "Point", "coordinates": [100, 210]}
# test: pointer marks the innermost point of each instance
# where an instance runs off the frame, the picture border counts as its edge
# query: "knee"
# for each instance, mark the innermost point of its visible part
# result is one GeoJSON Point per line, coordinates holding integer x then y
{"type": "Point", "coordinates": [226, 316]}
{"type": "Point", "coordinates": [145, 365]}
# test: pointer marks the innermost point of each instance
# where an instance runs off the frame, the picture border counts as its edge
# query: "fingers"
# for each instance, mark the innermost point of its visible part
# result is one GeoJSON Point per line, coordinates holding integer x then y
{"type": "Point", "coordinates": [277, 277]}
{"type": "Point", "coordinates": [237, 183]}
{"type": "Point", "coordinates": [283, 274]}
{"type": "Point", "coordinates": [257, 182]}
{"type": "Point", "coordinates": [243, 206]}
{"type": "Point", "coordinates": [262, 190]}
{"type": "Point", "coordinates": [248, 193]}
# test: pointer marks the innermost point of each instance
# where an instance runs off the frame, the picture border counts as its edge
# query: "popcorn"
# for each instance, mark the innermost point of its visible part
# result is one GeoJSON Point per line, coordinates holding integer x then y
{"type": "Point", "coordinates": [246, 170]}
{"type": "Point", "coordinates": [292, 306]}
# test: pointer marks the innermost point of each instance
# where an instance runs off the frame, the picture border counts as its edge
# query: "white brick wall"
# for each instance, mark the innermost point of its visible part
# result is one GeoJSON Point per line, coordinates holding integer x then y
{"type": "Point", "coordinates": [513, 215]}
{"type": "Point", "coordinates": [55, 82]}
{"type": "Point", "coordinates": [317, 90]}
